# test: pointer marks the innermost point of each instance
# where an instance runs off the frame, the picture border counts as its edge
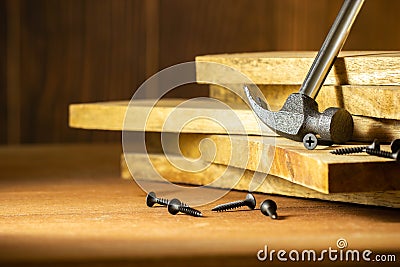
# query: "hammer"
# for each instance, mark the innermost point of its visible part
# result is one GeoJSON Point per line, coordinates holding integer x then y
{"type": "Point", "coordinates": [299, 116]}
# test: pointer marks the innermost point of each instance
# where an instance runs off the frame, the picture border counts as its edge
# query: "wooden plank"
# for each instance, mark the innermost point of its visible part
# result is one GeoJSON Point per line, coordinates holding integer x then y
{"type": "Point", "coordinates": [317, 169]}
{"type": "Point", "coordinates": [291, 67]}
{"type": "Point", "coordinates": [366, 129]}
{"type": "Point", "coordinates": [271, 185]}
{"type": "Point", "coordinates": [371, 101]}
{"type": "Point", "coordinates": [110, 116]}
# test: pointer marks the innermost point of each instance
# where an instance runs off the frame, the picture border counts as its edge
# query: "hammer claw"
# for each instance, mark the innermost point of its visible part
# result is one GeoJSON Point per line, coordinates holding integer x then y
{"type": "Point", "coordinates": [300, 116]}
{"type": "Point", "coordinates": [260, 108]}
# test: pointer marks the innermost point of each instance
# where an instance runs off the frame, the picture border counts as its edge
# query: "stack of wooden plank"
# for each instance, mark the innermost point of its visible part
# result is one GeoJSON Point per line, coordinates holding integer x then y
{"type": "Point", "coordinates": [365, 83]}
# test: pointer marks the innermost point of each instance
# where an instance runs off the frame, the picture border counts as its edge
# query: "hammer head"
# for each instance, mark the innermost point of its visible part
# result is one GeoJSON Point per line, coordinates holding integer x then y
{"type": "Point", "coordinates": [300, 116]}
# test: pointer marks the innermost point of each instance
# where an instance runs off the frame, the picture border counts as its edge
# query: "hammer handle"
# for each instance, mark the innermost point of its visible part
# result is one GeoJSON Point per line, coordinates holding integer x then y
{"type": "Point", "coordinates": [331, 47]}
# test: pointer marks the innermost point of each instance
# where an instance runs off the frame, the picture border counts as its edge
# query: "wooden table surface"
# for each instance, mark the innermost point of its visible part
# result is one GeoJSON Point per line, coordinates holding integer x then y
{"type": "Point", "coordinates": [66, 205]}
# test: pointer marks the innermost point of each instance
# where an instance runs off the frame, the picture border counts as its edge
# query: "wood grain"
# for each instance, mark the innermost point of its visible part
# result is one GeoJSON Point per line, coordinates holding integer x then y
{"type": "Point", "coordinates": [103, 50]}
{"type": "Point", "coordinates": [291, 67]}
{"type": "Point", "coordinates": [110, 116]}
{"type": "Point", "coordinates": [75, 51]}
{"type": "Point", "coordinates": [3, 73]}
{"type": "Point", "coordinates": [206, 25]}
{"type": "Point", "coordinates": [366, 129]}
{"type": "Point", "coordinates": [371, 101]}
{"type": "Point", "coordinates": [294, 28]}
{"type": "Point", "coordinates": [152, 15]}
{"type": "Point", "coordinates": [317, 169]}
{"type": "Point", "coordinates": [271, 185]}
{"type": "Point", "coordinates": [81, 214]}
{"type": "Point", "coordinates": [13, 71]}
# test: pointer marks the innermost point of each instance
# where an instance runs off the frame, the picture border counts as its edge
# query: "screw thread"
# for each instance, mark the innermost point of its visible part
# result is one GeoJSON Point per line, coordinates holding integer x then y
{"type": "Point", "coordinates": [380, 153]}
{"type": "Point", "coordinates": [165, 202]}
{"type": "Point", "coordinates": [162, 201]}
{"type": "Point", "coordinates": [229, 206]}
{"type": "Point", "coordinates": [190, 211]}
{"type": "Point", "coordinates": [348, 150]}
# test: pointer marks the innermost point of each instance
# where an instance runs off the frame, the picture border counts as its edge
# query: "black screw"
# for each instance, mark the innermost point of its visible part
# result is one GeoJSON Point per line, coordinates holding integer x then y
{"type": "Point", "coordinates": [268, 208]}
{"type": "Point", "coordinates": [250, 202]}
{"type": "Point", "coordinates": [310, 141]}
{"type": "Point", "coordinates": [175, 206]}
{"type": "Point", "coordinates": [384, 154]}
{"type": "Point", "coordinates": [151, 199]}
{"type": "Point", "coordinates": [351, 150]}
{"type": "Point", "coordinates": [395, 145]}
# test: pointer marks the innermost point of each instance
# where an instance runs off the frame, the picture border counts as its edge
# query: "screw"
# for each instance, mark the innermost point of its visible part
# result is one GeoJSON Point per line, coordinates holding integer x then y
{"type": "Point", "coordinates": [395, 145]}
{"type": "Point", "coordinates": [151, 199]}
{"type": "Point", "coordinates": [384, 154]}
{"type": "Point", "coordinates": [175, 206]}
{"type": "Point", "coordinates": [310, 141]}
{"type": "Point", "coordinates": [250, 202]}
{"type": "Point", "coordinates": [351, 150]}
{"type": "Point", "coordinates": [268, 208]}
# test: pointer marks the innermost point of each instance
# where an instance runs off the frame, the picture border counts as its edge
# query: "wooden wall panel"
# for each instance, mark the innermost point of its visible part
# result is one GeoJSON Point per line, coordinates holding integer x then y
{"type": "Point", "coordinates": [76, 51]}
{"type": "Point", "coordinates": [303, 24]}
{"type": "Point", "coordinates": [376, 27]}
{"type": "Point", "coordinates": [72, 51]}
{"type": "Point", "coordinates": [3, 75]}
{"type": "Point", "coordinates": [190, 28]}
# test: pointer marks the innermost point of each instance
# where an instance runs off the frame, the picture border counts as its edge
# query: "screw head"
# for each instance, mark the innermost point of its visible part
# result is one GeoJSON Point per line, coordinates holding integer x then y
{"type": "Point", "coordinates": [151, 199]}
{"type": "Point", "coordinates": [395, 145]}
{"type": "Point", "coordinates": [173, 206]}
{"type": "Point", "coordinates": [268, 207]}
{"type": "Point", "coordinates": [250, 201]}
{"type": "Point", "coordinates": [310, 141]}
{"type": "Point", "coordinates": [376, 145]}
{"type": "Point", "coordinates": [396, 155]}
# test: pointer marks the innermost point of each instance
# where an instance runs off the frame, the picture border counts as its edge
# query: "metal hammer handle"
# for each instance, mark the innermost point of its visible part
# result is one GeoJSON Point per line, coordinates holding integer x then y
{"type": "Point", "coordinates": [331, 48]}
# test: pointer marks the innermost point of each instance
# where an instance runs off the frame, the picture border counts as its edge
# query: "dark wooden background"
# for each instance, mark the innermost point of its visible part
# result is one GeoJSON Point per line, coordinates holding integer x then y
{"type": "Point", "coordinates": [57, 52]}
